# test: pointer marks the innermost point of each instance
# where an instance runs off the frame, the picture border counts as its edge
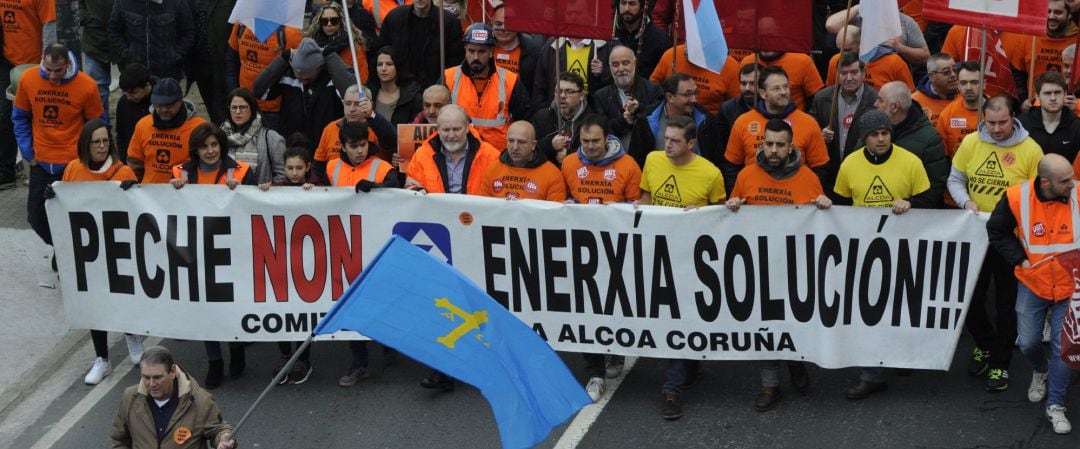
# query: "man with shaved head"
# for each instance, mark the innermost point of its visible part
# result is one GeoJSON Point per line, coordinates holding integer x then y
{"type": "Point", "coordinates": [912, 131]}
{"type": "Point", "coordinates": [522, 172]}
{"type": "Point", "coordinates": [1034, 222]}
{"type": "Point", "coordinates": [882, 68]}
{"type": "Point", "coordinates": [628, 93]}
{"type": "Point", "coordinates": [435, 97]}
{"type": "Point", "coordinates": [999, 155]}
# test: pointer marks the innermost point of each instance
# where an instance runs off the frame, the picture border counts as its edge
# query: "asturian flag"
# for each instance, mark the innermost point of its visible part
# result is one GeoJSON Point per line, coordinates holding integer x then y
{"type": "Point", "coordinates": [705, 43]}
{"type": "Point", "coordinates": [263, 17]}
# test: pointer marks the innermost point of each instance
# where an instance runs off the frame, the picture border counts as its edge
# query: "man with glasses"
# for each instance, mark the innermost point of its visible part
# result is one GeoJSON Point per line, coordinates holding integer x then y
{"type": "Point", "coordinates": [490, 95]}
{"type": "Point", "coordinates": [357, 110]}
{"type": "Point", "coordinates": [557, 125]}
{"type": "Point", "coordinates": [938, 88]}
{"type": "Point", "coordinates": [748, 132]}
{"type": "Point", "coordinates": [680, 100]}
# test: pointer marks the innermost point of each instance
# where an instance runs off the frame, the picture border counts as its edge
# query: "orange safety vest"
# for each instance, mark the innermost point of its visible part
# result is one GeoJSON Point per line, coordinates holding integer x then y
{"type": "Point", "coordinates": [237, 173]}
{"type": "Point", "coordinates": [380, 8]}
{"type": "Point", "coordinates": [489, 112]}
{"type": "Point", "coordinates": [1046, 228]}
{"type": "Point", "coordinates": [342, 175]}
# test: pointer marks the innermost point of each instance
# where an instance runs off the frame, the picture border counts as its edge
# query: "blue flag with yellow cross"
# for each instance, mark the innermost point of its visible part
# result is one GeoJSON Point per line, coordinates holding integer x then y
{"type": "Point", "coordinates": [429, 311]}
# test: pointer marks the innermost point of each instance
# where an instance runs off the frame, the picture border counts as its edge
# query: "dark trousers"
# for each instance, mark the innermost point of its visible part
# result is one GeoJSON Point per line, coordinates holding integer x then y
{"type": "Point", "coordinates": [594, 365]}
{"type": "Point", "coordinates": [678, 371]}
{"type": "Point", "coordinates": [35, 201]}
{"type": "Point", "coordinates": [213, 96]}
{"type": "Point", "coordinates": [8, 147]}
{"type": "Point", "coordinates": [997, 337]}
{"type": "Point", "coordinates": [286, 350]}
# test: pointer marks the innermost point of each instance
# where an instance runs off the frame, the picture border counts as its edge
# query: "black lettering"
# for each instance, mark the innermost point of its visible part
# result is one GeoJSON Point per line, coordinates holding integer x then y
{"type": "Point", "coordinates": [523, 270]}
{"type": "Point", "coordinates": [214, 257]}
{"type": "Point", "coordinates": [145, 226]}
{"type": "Point", "coordinates": [495, 266]}
{"type": "Point", "coordinates": [909, 283]}
{"type": "Point", "coordinates": [663, 293]}
{"type": "Point", "coordinates": [184, 257]}
{"type": "Point", "coordinates": [708, 309]}
{"type": "Point", "coordinates": [114, 250]}
{"type": "Point", "coordinates": [878, 251]}
{"type": "Point", "coordinates": [85, 251]}
{"type": "Point", "coordinates": [583, 243]}
{"type": "Point", "coordinates": [801, 310]}
{"type": "Point", "coordinates": [830, 249]}
{"type": "Point", "coordinates": [738, 247]}
{"type": "Point", "coordinates": [772, 309]}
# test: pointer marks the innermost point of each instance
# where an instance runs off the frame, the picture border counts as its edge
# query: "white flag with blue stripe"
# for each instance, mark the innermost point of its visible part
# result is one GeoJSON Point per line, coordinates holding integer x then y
{"type": "Point", "coordinates": [705, 43]}
{"type": "Point", "coordinates": [880, 22]}
{"type": "Point", "coordinates": [263, 17]}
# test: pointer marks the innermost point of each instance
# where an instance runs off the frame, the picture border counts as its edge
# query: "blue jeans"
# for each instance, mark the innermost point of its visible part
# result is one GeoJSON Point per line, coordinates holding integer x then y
{"type": "Point", "coordinates": [101, 73]}
{"type": "Point", "coordinates": [677, 372]}
{"type": "Point", "coordinates": [1030, 315]}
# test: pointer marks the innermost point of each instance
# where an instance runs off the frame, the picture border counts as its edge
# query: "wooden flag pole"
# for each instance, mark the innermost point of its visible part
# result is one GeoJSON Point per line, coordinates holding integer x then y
{"type": "Point", "coordinates": [674, 36]}
{"type": "Point", "coordinates": [1031, 72]}
{"type": "Point", "coordinates": [273, 383]}
{"type": "Point", "coordinates": [836, 87]}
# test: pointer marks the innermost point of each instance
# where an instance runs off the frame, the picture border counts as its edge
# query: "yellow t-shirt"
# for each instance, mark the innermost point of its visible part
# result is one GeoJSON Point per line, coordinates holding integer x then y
{"type": "Point", "coordinates": [991, 169]}
{"type": "Point", "coordinates": [577, 62]}
{"type": "Point", "coordinates": [698, 183]}
{"type": "Point", "coordinates": [880, 185]}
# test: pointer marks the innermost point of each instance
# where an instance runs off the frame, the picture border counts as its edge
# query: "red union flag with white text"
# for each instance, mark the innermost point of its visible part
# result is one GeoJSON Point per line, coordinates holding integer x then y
{"type": "Point", "coordinates": [1070, 329]}
{"type": "Point", "coordinates": [998, 74]}
{"type": "Point", "coordinates": [1018, 16]}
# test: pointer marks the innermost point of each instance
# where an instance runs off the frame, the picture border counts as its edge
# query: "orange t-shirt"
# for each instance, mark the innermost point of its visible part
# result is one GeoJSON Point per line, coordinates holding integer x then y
{"type": "Point", "coordinates": [23, 20]}
{"type": "Point", "coordinates": [76, 172]}
{"type": "Point", "coordinates": [617, 182]}
{"type": "Point", "coordinates": [802, 74]}
{"type": "Point", "coordinates": [160, 149]}
{"type": "Point", "coordinates": [330, 144]}
{"type": "Point", "coordinates": [913, 8]}
{"type": "Point", "coordinates": [58, 113]}
{"type": "Point", "coordinates": [758, 188]}
{"type": "Point", "coordinates": [713, 88]}
{"type": "Point", "coordinates": [255, 56]}
{"type": "Point", "coordinates": [879, 71]}
{"type": "Point", "coordinates": [509, 60]}
{"type": "Point", "coordinates": [748, 133]}
{"type": "Point", "coordinates": [361, 61]}
{"type": "Point", "coordinates": [932, 107]}
{"type": "Point", "coordinates": [523, 183]}
{"type": "Point", "coordinates": [1047, 52]}
{"type": "Point", "coordinates": [955, 123]}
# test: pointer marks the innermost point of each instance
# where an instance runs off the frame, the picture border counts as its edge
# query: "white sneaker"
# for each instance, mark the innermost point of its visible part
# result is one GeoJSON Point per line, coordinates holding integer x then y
{"type": "Point", "coordinates": [596, 388]}
{"type": "Point", "coordinates": [135, 347]}
{"type": "Point", "coordinates": [98, 372]}
{"type": "Point", "coordinates": [1046, 331]}
{"type": "Point", "coordinates": [1037, 390]}
{"type": "Point", "coordinates": [1056, 415]}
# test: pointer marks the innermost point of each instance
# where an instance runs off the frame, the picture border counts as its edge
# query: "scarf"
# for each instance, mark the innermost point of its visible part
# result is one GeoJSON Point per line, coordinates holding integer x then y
{"type": "Point", "coordinates": [239, 137]}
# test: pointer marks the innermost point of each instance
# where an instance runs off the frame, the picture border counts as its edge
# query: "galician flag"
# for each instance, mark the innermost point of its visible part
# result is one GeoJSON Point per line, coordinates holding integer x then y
{"type": "Point", "coordinates": [705, 43]}
{"type": "Point", "coordinates": [880, 22]}
{"type": "Point", "coordinates": [263, 17]}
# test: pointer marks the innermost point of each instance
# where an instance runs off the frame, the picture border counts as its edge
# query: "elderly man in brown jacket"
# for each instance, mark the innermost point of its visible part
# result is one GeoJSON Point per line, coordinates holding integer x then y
{"type": "Point", "coordinates": [168, 410]}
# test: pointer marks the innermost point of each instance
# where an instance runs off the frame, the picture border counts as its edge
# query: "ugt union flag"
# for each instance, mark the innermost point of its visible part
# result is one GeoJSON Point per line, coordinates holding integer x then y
{"type": "Point", "coordinates": [263, 17]}
{"type": "Point", "coordinates": [426, 309]}
{"type": "Point", "coordinates": [705, 43]}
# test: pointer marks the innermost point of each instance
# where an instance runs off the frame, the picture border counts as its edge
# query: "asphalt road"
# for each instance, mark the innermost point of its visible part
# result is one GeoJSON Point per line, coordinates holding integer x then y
{"type": "Point", "coordinates": [389, 410]}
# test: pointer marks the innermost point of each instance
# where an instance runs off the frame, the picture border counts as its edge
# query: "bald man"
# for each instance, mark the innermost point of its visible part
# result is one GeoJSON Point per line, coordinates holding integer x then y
{"type": "Point", "coordinates": [1017, 231]}
{"type": "Point", "coordinates": [913, 131]}
{"type": "Point", "coordinates": [882, 69]}
{"type": "Point", "coordinates": [627, 92]}
{"type": "Point", "coordinates": [522, 172]}
{"type": "Point", "coordinates": [435, 97]}
{"type": "Point", "coordinates": [455, 152]}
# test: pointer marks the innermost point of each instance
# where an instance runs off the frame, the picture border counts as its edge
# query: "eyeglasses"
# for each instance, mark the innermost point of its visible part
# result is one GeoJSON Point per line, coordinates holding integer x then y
{"type": "Point", "coordinates": [330, 21]}
{"type": "Point", "coordinates": [239, 107]}
{"type": "Point", "coordinates": [567, 92]}
{"type": "Point", "coordinates": [946, 71]}
{"type": "Point", "coordinates": [690, 94]}
{"type": "Point", "coordinates": [100, 142]}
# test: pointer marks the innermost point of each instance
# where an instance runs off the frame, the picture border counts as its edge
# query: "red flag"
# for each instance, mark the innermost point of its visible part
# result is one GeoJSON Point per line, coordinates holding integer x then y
{"type": "Point", "coordinates": [776, 25]}
{"type": "Point", "coordinates": [1070, 329]}
{"type": "Point", "coordinates": [478, 13]}
{"type": "Point", "coordinates": [1074, 73]}
{"type": "Point", "coordinates": [1018, 16]}
{"type": "Point", "coordinates": [998, 74]}
{"type": "Point", "coordinates": [586, 19]}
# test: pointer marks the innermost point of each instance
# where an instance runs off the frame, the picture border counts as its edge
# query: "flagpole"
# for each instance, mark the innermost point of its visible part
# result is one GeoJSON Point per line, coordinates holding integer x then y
{"type": "Point", "coordinates": [1031, 73]}
{"type": "Point", "coordinates": [674, 36]}
{"type": "Point", "coordinates": [982, 74]}
{"type": "Point", "coordinates": [836, 87]}
{"type": "Point", "coordinates": [280, 375]}
{"type": "Point", "coordinates": [442, 45]}
{"type": "Point", "coordinates": [352, 48]}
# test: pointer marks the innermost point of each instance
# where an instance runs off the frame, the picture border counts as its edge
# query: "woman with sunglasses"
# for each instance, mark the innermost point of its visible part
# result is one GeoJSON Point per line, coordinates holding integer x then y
{"type": "Point", "coordinates": [328, 30]}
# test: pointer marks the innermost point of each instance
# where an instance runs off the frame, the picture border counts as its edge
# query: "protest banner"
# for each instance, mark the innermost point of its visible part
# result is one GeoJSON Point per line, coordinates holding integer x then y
{"type": "Point", "coordinates": [838, 287]}
{"type": "Point", "coordinates": [410, 137]}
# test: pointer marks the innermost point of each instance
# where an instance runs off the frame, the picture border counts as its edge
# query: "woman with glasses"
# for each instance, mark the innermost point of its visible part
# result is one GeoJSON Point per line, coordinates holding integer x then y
{"type": "Point", "coordinates": [397, 96]}
{"type": "Point", "coordinates": [258, 146]}
{"type": "Point", "coordinates": [99, 161]}
{"type": "Point", "coordinates": [328, 30]}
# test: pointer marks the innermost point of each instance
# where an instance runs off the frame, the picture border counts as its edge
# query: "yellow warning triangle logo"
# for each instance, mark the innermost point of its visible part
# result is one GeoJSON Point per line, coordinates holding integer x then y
{"type": "Point", "coordinates": [991, 167]}
{"type": "Point", "coordinates": [578, 68]}
{"type": "Point", "coordinates": [878, 192]}
{"type": "Point", "coordinates": [669, 190]}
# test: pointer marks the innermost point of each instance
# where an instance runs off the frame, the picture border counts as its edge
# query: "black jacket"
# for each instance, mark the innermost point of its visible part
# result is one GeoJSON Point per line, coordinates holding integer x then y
{"type": "Point", "coordinates": [416, 39]}
{"type": "Point", "coordinates": [306, 109]}
{"type": "Point", "coordinates": [94, 20]}
{"type": "Point", "coordinates": [544, 82]}
{"type": "Point", "coordinates": [1065, 140]}
{"type": "Point", "coordinates": [127, 115]}
{"type": "Point", "coordinates": [159, 36]}
{"type": "Point", "coordinates": [606, 101]}
{"type": "Point", "coordinates": [410, 102]}
{"type": "Point", "coordinates": [713, 137]}
{"type": "Point", "coordinates": [530, 56]}
{"type": "Point", "coordinates": [649, 53]}
{"type": "Point", "coordinates": [546, 123]}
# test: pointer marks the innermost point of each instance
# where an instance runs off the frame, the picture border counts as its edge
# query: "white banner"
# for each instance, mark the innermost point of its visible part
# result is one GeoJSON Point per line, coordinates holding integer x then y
{"type": "Point", "coordinates": [839, 287]}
